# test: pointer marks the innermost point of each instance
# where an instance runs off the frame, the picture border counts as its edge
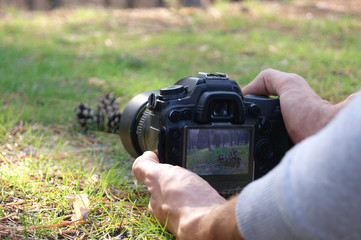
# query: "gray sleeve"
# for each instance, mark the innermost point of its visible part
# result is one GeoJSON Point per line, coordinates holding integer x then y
{"type": "Point", "coordinates": [315, 192]}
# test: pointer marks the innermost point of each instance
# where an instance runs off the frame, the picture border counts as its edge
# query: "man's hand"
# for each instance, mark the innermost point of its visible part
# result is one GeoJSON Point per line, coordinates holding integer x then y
{"type": "Point", "coordinates": [304, 112]}
{"type": "Point", "coordinates": [185, 202]}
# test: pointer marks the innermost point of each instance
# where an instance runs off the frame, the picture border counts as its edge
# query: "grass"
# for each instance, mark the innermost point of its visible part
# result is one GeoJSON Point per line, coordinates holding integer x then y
{"type": "Point", "coordinates": [52, 61]}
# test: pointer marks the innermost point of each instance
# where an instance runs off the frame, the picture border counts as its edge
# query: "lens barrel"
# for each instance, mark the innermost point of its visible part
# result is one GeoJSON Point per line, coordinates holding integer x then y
{"type": "Point", "coordinates": [131, 127]}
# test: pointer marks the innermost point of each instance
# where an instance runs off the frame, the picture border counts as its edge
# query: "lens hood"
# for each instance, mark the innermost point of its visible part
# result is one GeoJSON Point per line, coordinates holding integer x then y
{"type": "Point", "coordinates": [129, 122]}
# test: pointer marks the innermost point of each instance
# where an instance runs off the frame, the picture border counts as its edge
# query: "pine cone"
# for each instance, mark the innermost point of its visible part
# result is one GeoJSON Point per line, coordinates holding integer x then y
{"type": "Point", "coordinates": [85, 115]}
{"type": "Point", "coordinates": [108, 104]}
{"type": "Point", "coordinates": [113, 121]}
{"type": "Point", "coordinates": [223, 159]}
{"type": "Point", "coordinates": [234, 159]}
{"type": "Point", "coordinates": [108, 109]}
{"type": "Point", "coordinates": [106, 118]}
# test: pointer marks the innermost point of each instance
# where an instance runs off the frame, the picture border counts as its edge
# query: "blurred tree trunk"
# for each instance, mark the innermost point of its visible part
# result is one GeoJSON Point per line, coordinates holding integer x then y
{"type": "Point", "coordinates": [130, 4]}
{"type": "Point", "coordinates": [195, 3]}
{"type": "Point", "coordinates": [133, 3]}
{"type": "Point", "coordinates": [43, 5]}
{"type": "Point", "coordinates": [31, 4]}
{"type": "Point", "coordinates": [190, 3]}
{"type": "Point", "coordinates": [107, 3]}
{"type": "Point", "coordinates": [56, 3]}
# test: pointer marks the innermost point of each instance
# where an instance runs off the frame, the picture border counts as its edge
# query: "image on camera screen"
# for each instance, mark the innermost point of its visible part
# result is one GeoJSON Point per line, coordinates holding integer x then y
{"type": "Point", "coordinates": [218, 150]}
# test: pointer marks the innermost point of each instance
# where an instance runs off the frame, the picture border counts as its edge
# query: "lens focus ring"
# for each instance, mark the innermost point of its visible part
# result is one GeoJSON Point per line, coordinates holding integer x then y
{"type": "Point", "coordinates": [141, 129]}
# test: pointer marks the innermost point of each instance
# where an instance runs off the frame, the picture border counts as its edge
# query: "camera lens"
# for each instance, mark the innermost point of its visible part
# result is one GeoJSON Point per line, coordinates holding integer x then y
{"type": "Point", "coordinates": [134, 124]}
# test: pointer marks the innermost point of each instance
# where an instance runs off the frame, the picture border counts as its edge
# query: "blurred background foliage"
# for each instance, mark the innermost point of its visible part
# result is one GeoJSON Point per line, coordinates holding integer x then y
{"type": "Point", "coordinates": [51, 60]}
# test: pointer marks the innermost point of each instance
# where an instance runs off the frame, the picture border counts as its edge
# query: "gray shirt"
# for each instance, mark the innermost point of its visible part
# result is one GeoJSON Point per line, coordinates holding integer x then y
{"type": "Point", "coordinates": [315, 192]}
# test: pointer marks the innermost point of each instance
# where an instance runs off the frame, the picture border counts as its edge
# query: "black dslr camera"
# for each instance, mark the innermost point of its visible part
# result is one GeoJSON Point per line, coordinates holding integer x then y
{"type": "Point", "coordinates": [206, 125]}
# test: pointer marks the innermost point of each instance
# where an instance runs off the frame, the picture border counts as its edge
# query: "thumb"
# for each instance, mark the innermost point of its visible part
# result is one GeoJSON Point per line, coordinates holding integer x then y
{"type": "Point", "coordinates": [144, 164]}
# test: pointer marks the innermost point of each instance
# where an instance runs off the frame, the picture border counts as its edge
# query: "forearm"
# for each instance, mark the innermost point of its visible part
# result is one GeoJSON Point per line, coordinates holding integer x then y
{"type": "Point", "coordinates": [218, 223]}
{"type": "Point", "coordinates": [221, 223]}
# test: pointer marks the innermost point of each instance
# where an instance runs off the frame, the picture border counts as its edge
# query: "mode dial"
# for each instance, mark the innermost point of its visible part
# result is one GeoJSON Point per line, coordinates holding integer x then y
{"type": "Point", "coordinates": [172, 90]}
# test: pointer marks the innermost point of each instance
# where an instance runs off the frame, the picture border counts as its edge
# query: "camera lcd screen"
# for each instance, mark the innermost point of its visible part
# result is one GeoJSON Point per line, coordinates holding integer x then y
{"type": "Point", "coordinates": [222, 153]}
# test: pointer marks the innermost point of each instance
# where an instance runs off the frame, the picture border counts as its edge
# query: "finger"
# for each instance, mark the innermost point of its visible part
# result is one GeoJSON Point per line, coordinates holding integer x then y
{"type": "Point", "coordinates": [150, 208]}
{"type": "Point", "coordinates": [342, 104]}
{"type": "Point", "coordinates": [143, 164]}
{"type": "Point", "coordinates": [263, 84]}
{"type": "Point", "coordinates": [154, 210]}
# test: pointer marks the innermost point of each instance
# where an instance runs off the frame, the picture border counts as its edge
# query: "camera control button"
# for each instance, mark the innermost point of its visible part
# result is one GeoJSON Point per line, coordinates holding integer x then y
{"type": "Point", "coordinates": [276, 113]}
{"type": "Point", "coordinates": [176, 134]}
{"type": "Point", "coordinates": [152, 101]}
{"type": "Point", "coordinates": [172, 90]}
{"type": "Point", "coordinates": [187, 115]}
{"type": "Point", "coordinates": [254, 110]}
{"type": "Point", "coordinates": [175, 150]}
{"type": "Point", "coordinates": [263, 126]}
{"type": "Point", "coordinates": [174, 116]}
{"type": "Point", "coordinates": [264, 151]}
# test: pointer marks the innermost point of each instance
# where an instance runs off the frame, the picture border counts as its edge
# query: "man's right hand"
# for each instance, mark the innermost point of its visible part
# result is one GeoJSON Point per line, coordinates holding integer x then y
{"type": "Point", "coordinates": [303, 111]}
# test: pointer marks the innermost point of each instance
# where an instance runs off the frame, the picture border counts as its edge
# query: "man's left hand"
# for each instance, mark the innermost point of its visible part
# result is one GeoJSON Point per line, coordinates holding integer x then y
{"type": "Point", "coordinates": [179, 198]}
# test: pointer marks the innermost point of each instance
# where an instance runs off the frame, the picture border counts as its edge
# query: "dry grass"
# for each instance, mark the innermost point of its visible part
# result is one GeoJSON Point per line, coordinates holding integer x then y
{"type": "Point", "coordinates": [34, 188]}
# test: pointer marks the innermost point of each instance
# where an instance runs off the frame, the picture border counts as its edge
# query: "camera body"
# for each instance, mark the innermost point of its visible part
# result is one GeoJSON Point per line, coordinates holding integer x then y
{"type": "Point", "coordinates": [206, 125]}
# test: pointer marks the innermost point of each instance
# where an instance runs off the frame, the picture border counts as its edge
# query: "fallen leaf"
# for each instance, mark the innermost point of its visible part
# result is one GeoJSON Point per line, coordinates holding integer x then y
{"type": "Point", "coordinates": [81, 206]}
